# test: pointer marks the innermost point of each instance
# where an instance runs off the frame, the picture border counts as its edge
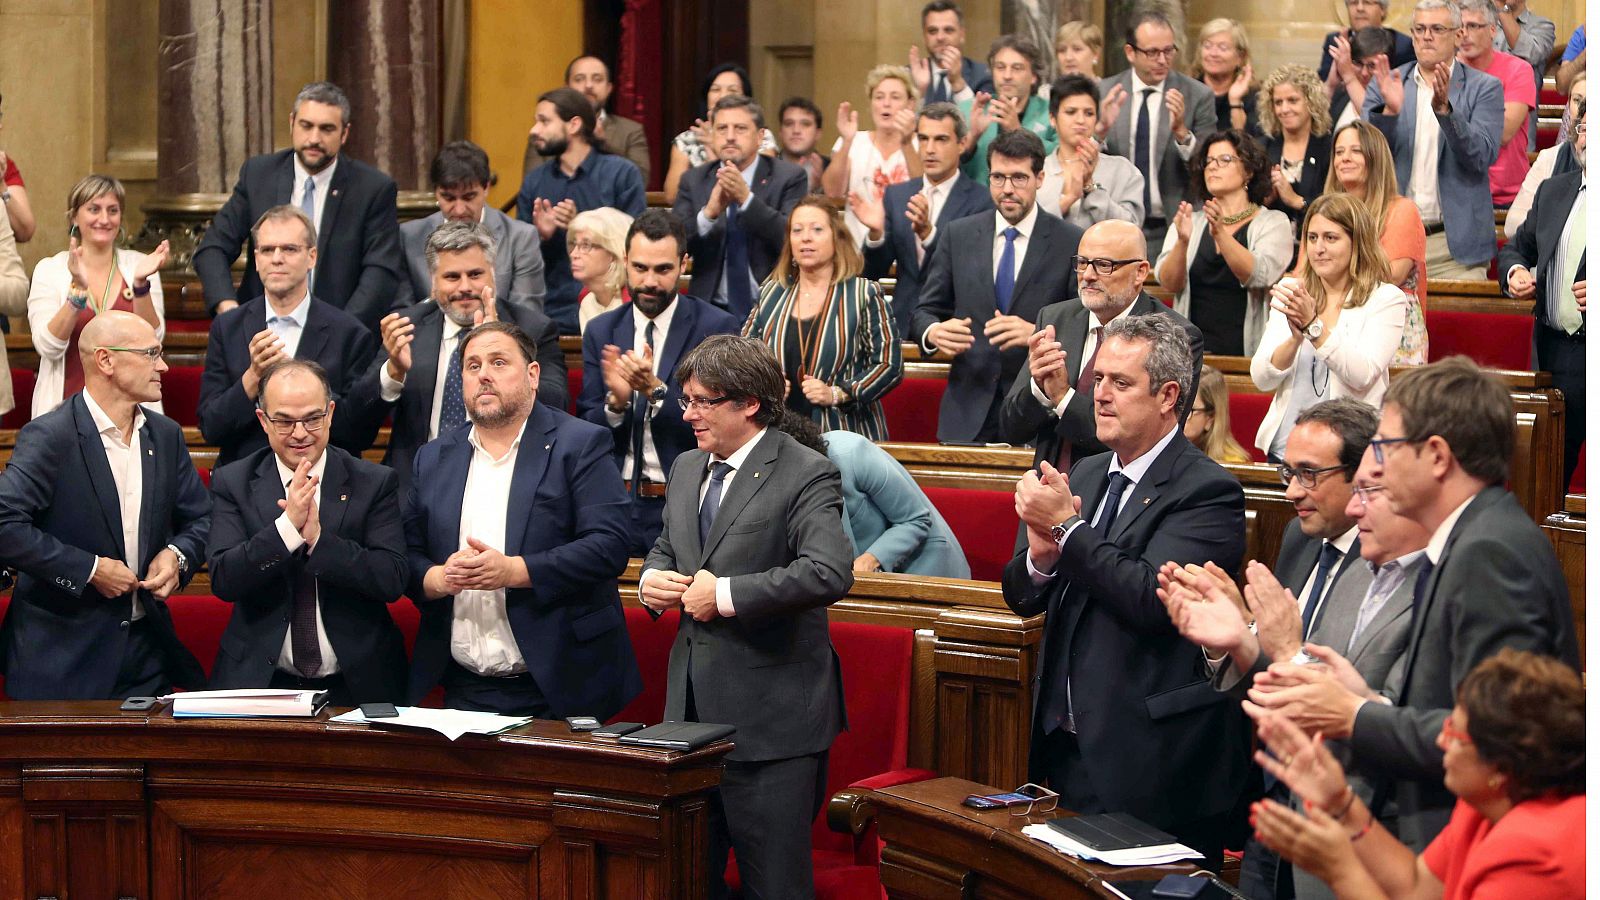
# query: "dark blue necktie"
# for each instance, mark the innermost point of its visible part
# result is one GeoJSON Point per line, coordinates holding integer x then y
{"type": "Point", "coordinates": [713, 499]}
{"type": "Point", "coordinates": [1326, 560]}
{"type": "Point", "coordinates": [736, 265]}
{"type": "Point", "coordinates": [452, 406]}
{"type": "Point", "coordinates": [1005, 280]}
{"type": "Point", "coordinates": [1115, 485]}
{"type": "Point", "coordinates": [1424, 575]}
{"type": "Point", "coordinates": [641, 417]}
{"type": "Point", "coordinates": [1146, 123]}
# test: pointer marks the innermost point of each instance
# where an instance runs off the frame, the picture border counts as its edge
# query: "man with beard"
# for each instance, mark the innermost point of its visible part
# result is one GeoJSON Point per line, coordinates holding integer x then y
{"type": "Point", "coordinates": [632, 391]}
{"type": "Point", "coordinates": [582, 174]}
{"type": "Point", "coordinates": [515, 540]}
{"type": "Point", "coordinates": [424, 396]}
{"type": "Point", "coordinates": [1017, 66]}
{"type": "Point", "coordinates": [591, 76]}
{"type": "Point", "coordinates": [350, 204]}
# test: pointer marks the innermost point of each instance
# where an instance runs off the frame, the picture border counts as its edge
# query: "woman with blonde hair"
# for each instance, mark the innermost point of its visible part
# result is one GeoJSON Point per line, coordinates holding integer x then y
{"type": "Point", "coordinates": [831, 330]}
{"type": "Point", "coordinates": [1364, 168]}
{"type": "Point", "coordinates": [1208, 425]}
{"type": "Point", "coordinates": [1334, 330]}
{"type": "Point", "coordinates": [1078, 48]}
{"type": "Point", "coordinates": [866, 162]}
{"type": "Point", "coordinates": [596, 244]}
{"type": "Point", "coordinates": [1223, 64]}
{"type": "Point", "coordinates": [1296, 121]}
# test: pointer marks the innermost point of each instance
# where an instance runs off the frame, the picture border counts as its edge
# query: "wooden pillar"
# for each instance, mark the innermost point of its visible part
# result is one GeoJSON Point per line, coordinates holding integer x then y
{"type": "Point", "coordinates": [385, 55]}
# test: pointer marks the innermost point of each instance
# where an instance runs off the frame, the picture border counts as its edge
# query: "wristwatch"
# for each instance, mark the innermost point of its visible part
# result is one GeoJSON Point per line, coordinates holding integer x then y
{"type": "Point", "coordinates": [5, 196]}
{"type": "Point", "coordinates": [1058, 531]}
{"type": "Point", "coordinates": [658, 393]}
{"type": "Point", "coordinates": [183, 561]}
{"type": "Point", "coordinates": [1314, 330]}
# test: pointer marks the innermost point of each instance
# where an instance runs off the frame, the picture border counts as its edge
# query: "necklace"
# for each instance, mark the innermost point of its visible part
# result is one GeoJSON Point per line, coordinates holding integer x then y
{"type": "Point", "coordinates": [1240, 216]}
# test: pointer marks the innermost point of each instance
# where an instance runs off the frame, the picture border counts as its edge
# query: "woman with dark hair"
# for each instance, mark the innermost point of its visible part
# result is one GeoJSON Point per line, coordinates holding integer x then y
{"type": "Point", "coordinates": [692, 146]}
{"type": "Point", "coordinates": [1219, 260]}
{"type": "Point", "coordinates": [1513, 755]}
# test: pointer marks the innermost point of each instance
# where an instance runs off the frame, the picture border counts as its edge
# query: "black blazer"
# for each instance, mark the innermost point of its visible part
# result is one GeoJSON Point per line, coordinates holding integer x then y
{"type": "Point", "coordinates": [1535, 243]}
{"type": "Point", "coordinates": [778, 187]}
{"type": "Point", "coordinates": [58, 511]}
{"type": "Point", "coordinates": [899, 247]}
{"type": "Point", "coordinates": [1161, 743]}
{"type": "Point", "coordinates": [959, 282]}
{"type": "Point", "coordinates": [358, 239]}
{"type": "Point", "coordinates": [1313, 174]}
{"type": "Point", "coordinates": [692, 322]}
{"type": "Point", "coordinates": [1404, 51]}
{"type": "Point", "coordinates": [359, 564]}
{"type": "Point", "coordinates": [414, 409]}
{"type": "Point", "coordinates": [332, 338]}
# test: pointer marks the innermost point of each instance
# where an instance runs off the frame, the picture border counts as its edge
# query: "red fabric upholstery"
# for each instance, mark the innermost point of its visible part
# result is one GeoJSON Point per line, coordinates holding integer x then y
{"type": "Point", "coordinates": [1496, 340]}
{"type": "Point", "coordinates": [205, 475]}
{"type": "Point", "coordinates": [574, 387]}
{"type": "Point", "coordinates": [652, 644]}
{"type": "Point", "coordinates": [180, 394]}
{"type": "Point", "coordinates": [1549, 96]}
{"type": "Point", "coordinates": [199, 621]}
{"type": "Point", "coordinates": [1545, 137]}
{"type": "Point", "coordinates": [1245, 412]}
{"type": "Point", "coordinates": [189, 326]}
{"type": "Point", "coordinates": [22, 381]}
{"type": "Point", "coordinates": [912, 410]}
{"type": "Point", "coordinates": [1579, 480]}
{"type": "Point", "coordinates": [985, 522]}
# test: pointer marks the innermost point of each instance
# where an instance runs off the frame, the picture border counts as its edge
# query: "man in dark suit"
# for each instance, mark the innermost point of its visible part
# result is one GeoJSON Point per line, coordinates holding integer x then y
{"type": "Point", "coordinates": [988, 278]}
{"type": "Point", "coordinates": [1124, 717]}
{"type": "Point", "coordinates": [902, 227]}
{"type": "Point", "coordinates": [1051, 404]}
{"type": "Point", "coordinates": [286, 323]}
{"type": "Point", "coordinates": [1552, 243]}
{"type": "Point", "coordinates": [350, 204]}
{"type": "Point", "coordinates": [515, 540]}
{"type": "Point", "coordinates": [628, 384]}
{"type": "Point", "coordinates": [945, 75]}
{"type": "Point", "coordinates": [409, 381]}
{"type": "Point", "coordinates": [1364, 14]}
{"type": "Point", "coordinates": [103, 516]}
{"type": "Point", "coordinates": [736, 208]}
{"type": "Point", "coordinates": [460, 176]}
{"type": "Point", "coordinates": [591, 77]}
{"type": "Point", "coordinates": [306, 544]}
{"type": "Point", "coordinates": [753, 551]}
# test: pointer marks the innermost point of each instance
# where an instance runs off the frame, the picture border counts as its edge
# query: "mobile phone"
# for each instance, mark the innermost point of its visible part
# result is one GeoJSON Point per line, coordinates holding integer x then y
{"type": "Point", "coordinates": [618, 729]}
{"type": "Point", "coordinates": [379, 711]}
{"type": "Point", "coordinates": [138, 704]}
{"type": "Point", "coordinates": [1180, 887]}
{"type": "Point", "coordinates": [1022, 796]}
{"type": "Point", "coordinates": [583, 723]}
{"type": "Point", "coordinates": [979, 801]}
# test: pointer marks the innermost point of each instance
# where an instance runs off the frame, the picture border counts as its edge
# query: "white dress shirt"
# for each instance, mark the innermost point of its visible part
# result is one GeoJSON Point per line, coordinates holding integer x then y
{"type": "Point", "coordinates": [321, 180]}
{"type": "Point", "coordinates": [292, 541]}
{"type": "Point", "coordinates": [1441, 535]}
{"type": "Point", "coordinates": [291, 326]}
{"type": "Point", "coordinates": [704, 224]}
{"type": "Point", "coordinates": [652, 460]}
{"type": "Point", "coordinates": [1342, 543]}
{"type": "Point", "coordinates": [1425, 152]}
{"type": "Point", "coordinates": [389, 389]}
{"type": "Point", "coordinates": [127, 472]}
{"type": "Point", "coordinates": [1089, 341]}
{"type": "Point", "coordinates": [1158, 100]}
{"type": "Point", "coordinates": [481, 639]}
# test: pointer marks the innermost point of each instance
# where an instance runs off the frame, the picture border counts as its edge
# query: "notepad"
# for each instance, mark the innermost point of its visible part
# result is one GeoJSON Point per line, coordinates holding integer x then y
{"type": "Point", "coordinates": [1146, 855]}
{"type": "Point", "coordinates": [678, 735]}
{"type": "Point", "coordinates": [452, 723]}
{"type": "Point", "coordinates": [248, 703]}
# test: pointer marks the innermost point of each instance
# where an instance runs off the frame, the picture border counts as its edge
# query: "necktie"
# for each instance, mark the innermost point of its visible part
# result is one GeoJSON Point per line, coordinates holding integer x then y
{"type": "Point", "coordinates": [736, 265]}
{"type": "Point", "coordinates": [641, 419]}
{"type": "Point", "coordinates": [1005, 280]}
{"type": "Point", "coordinates": [1115, 485]}
{"type": "Point", "coordinates": [1566, 314]}
{"type": "Point", "coordinates": [1068, 453]}
{"type": "Point", "coordinates": [1424, 576]}
{"type": "Point", "coordinates": [1144, 127]}
{"type": "Point", "coordinates": [303, 625]}
{"type": "Point", "coordinates": [713, 499]}
{"type": "Point", "coordinates": [308, 205]}
{"type": "Point", "coordinates": [452, 406]}
{"type": "Point", "coordinates": [1326, 560]}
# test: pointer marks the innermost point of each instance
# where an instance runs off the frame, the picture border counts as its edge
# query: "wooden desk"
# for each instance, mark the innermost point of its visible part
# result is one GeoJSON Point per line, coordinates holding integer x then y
{"type": "Point", "coordinates": [934, 847]}
{"type": "Point", "coordinates": [95, 802]}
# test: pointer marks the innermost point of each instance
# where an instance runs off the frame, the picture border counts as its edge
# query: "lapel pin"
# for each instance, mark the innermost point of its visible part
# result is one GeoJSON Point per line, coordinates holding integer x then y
{"type": "Point", "coordinates": [342, 497]}
{"type": "Point", "coordinates": [334, 192]}
{"type": "Point", "coordinates": [547, 446]}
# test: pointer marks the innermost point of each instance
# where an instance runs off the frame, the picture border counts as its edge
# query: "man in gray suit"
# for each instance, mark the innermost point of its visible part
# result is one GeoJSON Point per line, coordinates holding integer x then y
{"type": "Point", "coordinates": [590, 76]}
{"type": "Point", "coordinates": [460, 176]}
{"type": "Point", "coordinates": [1158, 130]}
{"type": "Point", "coordinates": [753, 551]}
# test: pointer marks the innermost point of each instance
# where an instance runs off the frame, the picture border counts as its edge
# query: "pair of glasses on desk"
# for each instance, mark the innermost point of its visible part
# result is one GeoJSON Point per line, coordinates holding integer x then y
{"type": "Point", "coordinates": [1024, 801]}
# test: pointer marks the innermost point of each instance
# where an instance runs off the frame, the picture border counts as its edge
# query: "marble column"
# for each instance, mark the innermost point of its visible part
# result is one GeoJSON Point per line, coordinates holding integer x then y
{"type": "Point", "coordinates": [385, 55]}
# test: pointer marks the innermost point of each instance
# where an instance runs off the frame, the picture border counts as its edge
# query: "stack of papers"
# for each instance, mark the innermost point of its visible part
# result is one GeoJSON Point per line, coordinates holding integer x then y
{"type": "Point", "coordinates": [1155, 855]}
{"type": "Point", "coordinates": [452, 723]}
{"type": "Point", "coordinates": [249, 703]}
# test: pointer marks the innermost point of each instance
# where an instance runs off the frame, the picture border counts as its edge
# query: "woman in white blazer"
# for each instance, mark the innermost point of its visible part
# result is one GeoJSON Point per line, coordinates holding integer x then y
{"type": "Point", "coordinates": [1334, 330]}
{"type": "Point", "coordinates": [91, 276]}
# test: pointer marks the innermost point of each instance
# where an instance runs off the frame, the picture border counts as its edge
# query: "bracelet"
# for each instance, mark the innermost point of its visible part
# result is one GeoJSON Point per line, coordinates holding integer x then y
{"type": "Point", "coordinates": [1372, 818]}
{"type": "Point", "coordinates": [141, 291]}
{"type": "Point", "coordinates": [1350, 800]}
{"type": "Point", "coordinates": [78, 300]}
{"type": "Point", "coordinates": [1236, 106]}
{"type": "Point", "coordinates": [838, 396]}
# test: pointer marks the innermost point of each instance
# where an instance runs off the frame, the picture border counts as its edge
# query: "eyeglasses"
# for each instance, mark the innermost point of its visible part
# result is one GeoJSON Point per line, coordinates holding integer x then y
{"type": "Point", "coordinates": [151, 353]}
{"type": "Point", "coordinates": [1220, 160]}
{"type": "Point", "coordinates": [1155, 52]}
{"type": "Point", "coordinates": [1102, 266]}
{"type": "Point", "coordinates": [1200, 410]}
{"type": "Point", "coordinates": [285, 249]}
{"type": "Point", "coordinates": [1450, 733]}
{"type": "Point", "coordinates": [1581, 128]}
{"type": "Point", "coordinates": [1365, 493]}
{"type": "Point", "coordinates": [1433, 31]}
{"type": "Point", "coordinates": [1000, 179]}
{"type": "Point", "coordinates": [701, 403]}
{"type": "Point", "coordinates": [1475, 26]}
{"type": "Point", "coordinates": [1043, 800]}
{"type": "Point", "coordinates": [312, 423]}
{"type": "Point", "coordinates": [1307, 477]}
{"type": "Point", "coordinates": [584, 247]}
{"type": "Point", "coordinates": [1377, 445]}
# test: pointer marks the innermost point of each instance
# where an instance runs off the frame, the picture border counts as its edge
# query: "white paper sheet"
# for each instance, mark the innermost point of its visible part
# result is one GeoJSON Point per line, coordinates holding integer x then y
{"type": "Point", "coordinates": [1138, 856]}
{"type": "Point", "coordinates": [452, 723]}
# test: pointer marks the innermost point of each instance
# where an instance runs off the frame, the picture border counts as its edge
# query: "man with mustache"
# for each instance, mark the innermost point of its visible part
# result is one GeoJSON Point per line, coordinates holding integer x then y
{"type": "Point", "coordinates": [419, 378]}
{"type": "Point", "coordinates": [629, 355]}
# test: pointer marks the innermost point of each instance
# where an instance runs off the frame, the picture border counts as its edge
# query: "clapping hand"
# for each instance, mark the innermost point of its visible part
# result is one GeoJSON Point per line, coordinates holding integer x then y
{"type": "Point", "coordinates": [1296, 304]}
{"type": "Point", "coordinates": [398, 332]}
{"type": "Point", "coordinates": [1176, 106]}
{"type": "Point", "coordinates": [1047, 363]}
{"type": "Point", "coordinates": [848, 121]}
{"type": "Point", "coordinates": [1110, 108]}
{"type": "Point", "coordinates": [869, 212]}
{"type": "Point", "coordinates": [150, 264]}
{"type": "Point", "coordinates": [1390, 87]}
{"type": "Point", "coordinates": [1185, 223]}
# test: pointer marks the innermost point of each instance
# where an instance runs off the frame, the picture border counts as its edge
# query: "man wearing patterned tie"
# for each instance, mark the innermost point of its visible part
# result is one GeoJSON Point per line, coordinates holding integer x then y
{"type": "Point", "coordinates": [350, 204]}
{"type": "Point", "coordinates": [306, 544]}
{"type": "Point", "coordinates": [286, 322]}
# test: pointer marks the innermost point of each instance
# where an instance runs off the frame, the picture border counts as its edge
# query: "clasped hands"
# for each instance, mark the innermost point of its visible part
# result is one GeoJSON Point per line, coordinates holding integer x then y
{"type": "Point", "coordinates": [696, 594]}
{"type": "Point", "coordinates": [113, 579]}
{"type": "Point", "coordinates": [1044, 499]}
{"type": "Point", "coordinates": [476, 567]}
{"type": "Point", "coordinates": [954, 336]}
{"type": "Point", "coordinates": [625, 372]}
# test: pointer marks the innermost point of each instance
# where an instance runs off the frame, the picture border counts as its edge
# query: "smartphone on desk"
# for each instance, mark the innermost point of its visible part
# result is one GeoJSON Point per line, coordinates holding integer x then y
{"type": "Point", "coordinates": [1022, 796]}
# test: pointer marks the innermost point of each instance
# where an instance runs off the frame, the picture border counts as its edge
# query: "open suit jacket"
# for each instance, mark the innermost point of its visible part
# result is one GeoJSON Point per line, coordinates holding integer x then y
{"type": "Point", "coordinates": [770, 670]}
{"type": "Point", "coordinates": [1535, 247]}
{"type": "Point", "coordinates": [359, 564]}
{"type": "Point", "coordinates": [959, 282]}
{"type": "Point", "coordinates": [1158, 741]}
{"type": "Point", "coordinates": [518, 264]}
{"type": "Point", "coordinates": [1497, 584]}
{"type": "Point", "coordinates": [899, 247]}
{"type": "Point", "coordinates": [777, 187]}
{"type": "Point", "coordinates": [358, 239]}
{"type": "Point", "coordinates": [58, 511]}
{"type": "Point", "coordinates": [1171, 170]}
{"type": "Point", "coordinates": [567, 518]}
{"type": "Point", "coordinates": [975, 74]}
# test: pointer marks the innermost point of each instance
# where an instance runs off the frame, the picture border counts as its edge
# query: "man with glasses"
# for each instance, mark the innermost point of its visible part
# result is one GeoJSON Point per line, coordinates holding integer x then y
{"type": "Point", "coordinates": [1443, 122]}
{"type": "Point", "coordinates": [287, 322]}
{"type": "Point", "coordinates": [1355, 63]}
{"type": "Point", "coordinates": [1363, 14]}
{"type": "Point", "coordinates": [1510, 167]}
{"type": "Point", "coordinates": [306, 543]}
{"type": "Point", "coordinates": [987, 280]}
{"type": "Point", "coordinates": [103, 516]}
{"type": "Point", "coordinates": [1155, 116]}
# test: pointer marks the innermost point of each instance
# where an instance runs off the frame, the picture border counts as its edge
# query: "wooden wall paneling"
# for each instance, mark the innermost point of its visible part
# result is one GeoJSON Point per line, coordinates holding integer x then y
{"type": "Point", "coordinates": [1568, 531]}
{"type": "Point", "coordinates": [12, 831]}
{"type": "Point", "coordinates": [88, 825]}
{"type": "Point", "coordinates": [985, 665]}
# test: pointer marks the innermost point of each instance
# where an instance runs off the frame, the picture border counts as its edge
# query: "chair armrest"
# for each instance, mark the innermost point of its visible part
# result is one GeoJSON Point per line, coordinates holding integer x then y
{"type": "Point", "coordinates": [850, 810]}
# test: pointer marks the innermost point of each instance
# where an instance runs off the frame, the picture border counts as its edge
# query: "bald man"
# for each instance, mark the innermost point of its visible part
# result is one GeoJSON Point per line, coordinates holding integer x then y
{"type": "Point", "coordinates": [1051, 404]}
{"type": "Point", "coordinates": [103, 516]}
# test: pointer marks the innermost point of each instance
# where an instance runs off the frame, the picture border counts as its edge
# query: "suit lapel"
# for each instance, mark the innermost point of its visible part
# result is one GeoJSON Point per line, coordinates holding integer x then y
{"type": "Point", "coordinates": [756, 472]}
{"type": "Point", "coordinates": [151, 489]}
{"type": "Point", "coordinates": [1407, 126]}
{"type": "Point", "coordinates": [1124, 130]}
{"type": "Point", "coordinates": [100, 480]}
{"type": "Point", "coordinates": [1393, 608]}
{"type": "Point", "coordinates": [763, 175]}
{"type": "Point", "coordinates": [315, 335]}
{"type": "Point", "coordinates": [533, 457]}
{"type": "Point", "coordinates": [1148, 489]}
{"type": "Point", "coordinates": [1163, 124]}
{"type": "Point", "coordinates": [333, 500]}
{"type": "Point", "coordinates": [455, 459]}
{"type": "Point", "coordinates": [1343, 602]}
{"type": "Point", "coordinates": [1033, 260]}
{"type": "Point", "coordinates": [987, 275]}
{"type": "Point", "coordinates": [425, 350]}
{"type": "Point", "coordinates": [330, 208]}
{"type": "Point", "coordinates": [1072, 332]}
{"type": "Point", "coordinates": [266, 490]}
{"type": "Point", "coordinates": [685, 318]}
{"type": "Point", "coordinates": [283, 181]}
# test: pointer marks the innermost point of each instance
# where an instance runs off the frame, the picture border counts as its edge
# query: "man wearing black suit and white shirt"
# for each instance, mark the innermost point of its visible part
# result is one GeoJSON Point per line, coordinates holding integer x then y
{"type": "Point", "coordinates": [902, 227]}
{"type": "Point", "coordinates": [306, 544]}
{"type": "Point", "coordinates": [350, 204]}
{"type": "Point", "coordinates": [998, 295]}
{"type": "Point", "coordinates": [1124, 718]}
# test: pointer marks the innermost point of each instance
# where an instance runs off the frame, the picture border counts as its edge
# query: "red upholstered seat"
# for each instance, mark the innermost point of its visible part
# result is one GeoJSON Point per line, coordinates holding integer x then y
{"type": "Point", "coordinates": [22, 381]}
{"type": "Point", "coordinates": [199, 621]}
{"type": "Point", "coordinates": [180, 394]}
{"type": "Point", "coordinates": [1579, 481]}
{"type": "Point", "coordinates": [574, 387]}
{"type": "Point", "coordinates": [1545, 137]}
{"type": "Point", "coordinates": [652, 644]}
{"type": "Point", "coordinates": [985, 522]}
{"type": "Point", "coordinates": [912, 410]}
{"type": "Point", "coordinates": [1245, 412]}
{"type": "Point", "coordinates": [1496, 340]}
{"type": "Point", "coordinates": [205, 475]}
{"type": "Point", "coordinates": [1549, 96]}
{"type": "Point", "coordinates": [189, 326]}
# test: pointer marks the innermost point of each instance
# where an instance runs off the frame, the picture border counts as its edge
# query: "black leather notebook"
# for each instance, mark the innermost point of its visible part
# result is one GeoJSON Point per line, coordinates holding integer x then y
{"type": "Point", "coordinates": [678, 735]}
{"type": "Point", "coordinates": [1111, 831]}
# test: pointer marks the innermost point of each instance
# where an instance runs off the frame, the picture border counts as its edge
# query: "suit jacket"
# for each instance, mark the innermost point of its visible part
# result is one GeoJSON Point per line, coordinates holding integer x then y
{"type": "Point", "coordinates": [1403, 53]}
{"type": "Point", "coordinates": [358, 239]}
{"type": "Point", "coordinates": [1158, 741]}
{"type": "Point", "coordinates": [777, 188]}
{"type": "Point", "coordinates": [1199, 116]}
{"type": "Point", "coordinates": [887, 514]}
{"type": "Point", "coordinates": [1024, 420]}
{"type": "Point", "coordinates": [692, 322]}
{"type": "Point", "coordinates": [1536, 247]}
{"type": "Point", "coordinates": [413, 410]}
{"type": "Point", "coordinates": [974, 73]}
{"type": "Point", "coordinates": [623, 136]}
{"type": "Point", "coordinates": [332, 338]}
{"type": "Point", "coordinates": [58, 511]}
{"type": "Point", "coordinates": [359, 564]}
{"type": "Point", "coordinates": [959, 282]}
{"type": "Point", "coordinates": [518, 265]}
{"type": "Point", "coordinates": [899, 247]}
{"type": "Point", "coordinates": [1497, 584]}
{"type": "Point", "coordinates": [770, 670]}
{"type": "Point", "coordinates": [1469, 141]}
{"type": "Point", "coordinates": [1313, 172]}
{"type": "Point", "coordinates": [567, 518]}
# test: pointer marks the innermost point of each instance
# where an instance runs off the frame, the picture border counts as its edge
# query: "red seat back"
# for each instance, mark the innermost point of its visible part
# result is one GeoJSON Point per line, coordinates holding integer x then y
{"type": "Point", "coordinates": [180, 394]}
{"type": "Point", "coordinates": [574, 387]}
{"type": "Point", "coordinates": [652, 644]}
{"type": "Point", "coordinates": [912, 409]}
{"type": "Point", "coordinates": [199, 620]}
{"type": "Point", "coordinates": [1579, 480]}
{"type": "Point", "coordinates": [22, 381]}
{"type": "Point", "coordinates": [1245, 412]}
{"type": "Point", "coordinates": [189, 326]}
{"type": "Point", "coordinates": [875, 664]}
{"type": "Point", "coordinates": [1495, 340]}
{"type": "Point", "coordinates": [985, 522]}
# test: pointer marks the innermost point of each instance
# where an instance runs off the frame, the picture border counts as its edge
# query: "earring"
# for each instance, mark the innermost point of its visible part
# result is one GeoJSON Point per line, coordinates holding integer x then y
{"type": "Point", "coordinates": [1495, 781]}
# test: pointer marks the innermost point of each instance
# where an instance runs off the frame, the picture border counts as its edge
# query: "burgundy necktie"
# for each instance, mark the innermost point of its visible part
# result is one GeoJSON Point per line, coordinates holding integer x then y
{"type": "Point", "coordinates": [303, 625]}
{"type": "Point", "coordinates": [1066, 456]}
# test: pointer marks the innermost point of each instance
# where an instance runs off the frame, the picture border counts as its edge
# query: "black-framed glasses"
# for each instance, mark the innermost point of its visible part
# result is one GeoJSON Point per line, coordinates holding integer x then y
{"type": "Point", "coordinates": [1156, 52]}
{"type": "Point", "coordinates": [1016, 179]}
{"type": "Point", "coordinates": [701, 403]}
{"type": "Point", "coordinates": [1307, 477]}
{"type": "Point", "coordinates": [1365, 493]}
{"type": "Point", "coordinates": [1199, 410]}
{"type": "Point", "coordinates": [1377, 444]}
{"type": "Point", "coordinates": [153, 354]}
{"type": "Point", "coordinates": [1102, 266]}
{"type": "Point", "coordinates": [312, 423]}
